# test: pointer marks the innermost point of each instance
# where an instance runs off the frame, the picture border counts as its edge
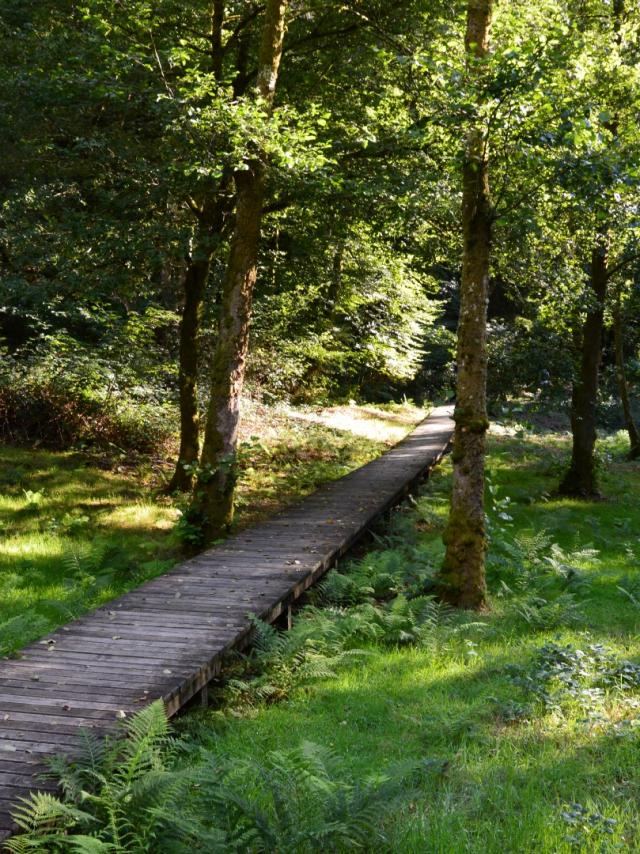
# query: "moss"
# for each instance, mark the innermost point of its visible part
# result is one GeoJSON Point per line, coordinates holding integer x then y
{"type": "Point", "coordinates": [470, 421]}
{"type": "Point", "coordinates": [465, 542]}
{"type": "Point", "coordinates": [457, 454]}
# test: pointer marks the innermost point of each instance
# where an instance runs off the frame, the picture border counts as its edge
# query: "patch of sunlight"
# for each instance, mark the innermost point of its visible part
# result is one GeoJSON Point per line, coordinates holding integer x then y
{"type": "Point", "coordinates": [11, 502]}
{"type": "Point", "coordinates": [35, 545]}
{"type": "Point", "coordinates": [141, 515]}
{"type": "Point", "coordinates": [388, 426]}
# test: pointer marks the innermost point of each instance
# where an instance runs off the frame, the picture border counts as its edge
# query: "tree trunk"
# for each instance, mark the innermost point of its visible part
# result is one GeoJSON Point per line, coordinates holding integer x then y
{"type": "Point", "coordinates": [461, 580]}
{"type": "Point", "coordinates": [580, 481]}
{"type": "Point", "coordinates": [217, 22]}
{"type": "Point", "coordinates": [618, 329]}
{"type": "Point", "coordinates": [211, 510]}
{"type": "Point", "coordinates": [209, 228]}
{"type": "Point", "coordinates": [208, 238]}
{"type": "Point", "coordinates": [623, 388]}
{"type": "Point", "coordinates": [195, 283]}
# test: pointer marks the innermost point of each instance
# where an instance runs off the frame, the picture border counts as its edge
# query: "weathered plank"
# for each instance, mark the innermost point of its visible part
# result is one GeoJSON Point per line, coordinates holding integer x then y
{"type": "Point", "coordinates": [167, 638]}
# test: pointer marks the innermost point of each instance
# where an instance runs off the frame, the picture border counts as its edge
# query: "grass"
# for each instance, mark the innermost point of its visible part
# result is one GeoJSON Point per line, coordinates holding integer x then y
{"type": "Point", "coordinates": [79, 530]}
{"type": "Point", "coordinates": [532, 750]}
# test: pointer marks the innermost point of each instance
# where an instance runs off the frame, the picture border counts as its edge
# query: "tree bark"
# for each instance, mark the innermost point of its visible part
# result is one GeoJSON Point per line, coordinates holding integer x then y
{"type": "Point", "coordinates": [208, 233]}
{"type": "Point", "coordinates": [208, 238]}
{"type": "Point", "coordinates": [621, 377]}
{"type": "Point", "coordinates": [212, 506]}
{"type": "Point", "coordinates": [195, 282]}
{"type": "Point", "coordinates": [461, 580]}
{"type": "Point", "coordinates": [581, 481]}
{"type": "Point", "coordinates": [217, 22]}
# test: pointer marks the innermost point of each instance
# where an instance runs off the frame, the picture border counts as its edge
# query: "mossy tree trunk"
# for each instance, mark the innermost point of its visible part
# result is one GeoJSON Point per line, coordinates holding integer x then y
{"type": "Point", "coordinates": [621, 376]}
{"type": "Point", "coordinates": [213, 499]}
{"type": "Point", "coordinates": [581, 480]}
{"type": "Point", "coordinates": [208, 237]}
{"type": "Point", "coordinates": [461, 580]}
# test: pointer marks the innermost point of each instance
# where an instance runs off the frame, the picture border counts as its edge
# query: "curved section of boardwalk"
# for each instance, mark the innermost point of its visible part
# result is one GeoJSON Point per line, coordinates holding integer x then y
{"type": "Point", "coordinates": [166, 639]}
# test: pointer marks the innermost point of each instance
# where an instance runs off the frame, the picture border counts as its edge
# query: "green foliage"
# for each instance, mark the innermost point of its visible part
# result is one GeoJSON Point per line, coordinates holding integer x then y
{"type": "Point", "coordinates": [361, 335]}
{"type": "Point", "coordinates": [543, 614]}
{"type": "Point", "coordinates": [117, 794]}
{"type": "Point", "coordinates": [65, 396]}
{"type": "Point", "coordinates": [563, 675]}
{"type": "Point", "coordinates": [298, 800]}
{"type": "Point", "coordinates": [75, 536]}
{"type": "Point", "coordinates": [518, 774]}
{"type": "Point", "coordinates": [121, 796]}
{"type": "Point", "coordinates": [529, 725]}
{"type": "Point", "coordinates": [80, 528]}
{"type": "Point", "coordinates": [375, 602]}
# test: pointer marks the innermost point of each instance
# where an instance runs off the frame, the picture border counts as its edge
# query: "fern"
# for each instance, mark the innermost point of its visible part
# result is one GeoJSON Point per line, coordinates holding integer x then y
{"type": "Point", "coordinates": [541, 614]}
{"type": "Point", "coordinates": [339, 589]}
{"type": "Point", "coordinates": [44, 821]}
{"type": "Point", "coordinates": [16, 630]}
{"type": "Point", "coordinates": [84, 559]}
{"type": "Point", "coordinates": [123, 786]}
{"type": "Point", "coordinates": [295, 800]}
{"type": "Point", "coordinates": [630, 588]}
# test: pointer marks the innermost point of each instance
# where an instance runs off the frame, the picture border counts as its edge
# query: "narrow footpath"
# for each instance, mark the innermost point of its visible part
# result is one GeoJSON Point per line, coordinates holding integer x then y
{"type": "Point", "coordinates": [167, 638]}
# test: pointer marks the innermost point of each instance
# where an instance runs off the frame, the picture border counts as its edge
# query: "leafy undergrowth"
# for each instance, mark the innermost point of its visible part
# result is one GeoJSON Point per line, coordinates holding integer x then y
{"type": "Point", "coordinates": [78, 530]}
{"type": "Point", "coordinates": [520, 727]}
{"type": "Point", "coordinates": [145, 791]}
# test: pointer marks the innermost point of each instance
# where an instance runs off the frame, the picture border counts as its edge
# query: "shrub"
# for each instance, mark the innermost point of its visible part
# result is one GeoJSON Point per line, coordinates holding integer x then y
{"type": "Point", "coordinates": [60, 397]}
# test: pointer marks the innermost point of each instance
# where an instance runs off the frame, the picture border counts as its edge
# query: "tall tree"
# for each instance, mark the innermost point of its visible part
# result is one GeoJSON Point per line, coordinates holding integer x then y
{"type": "Point", "coordinates": [461, 580]}
{"type": "Point", "coordinates": [581, 480]}
{"type": "Point", "coordinates": [213, 499]}
{"type": "Point", "coordinates": [211, 214]}
{"type": "Point", "coordinates": [208, 236]}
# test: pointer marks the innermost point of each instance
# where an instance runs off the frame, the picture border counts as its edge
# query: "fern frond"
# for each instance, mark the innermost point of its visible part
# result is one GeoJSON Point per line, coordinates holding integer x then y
{"type": "Point", "coordinates": [42, 816]}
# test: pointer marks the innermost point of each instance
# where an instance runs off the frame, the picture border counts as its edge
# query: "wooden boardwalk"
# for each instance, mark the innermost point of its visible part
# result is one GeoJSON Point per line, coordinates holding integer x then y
{"type": "Point", "coordinates": [167, 638]}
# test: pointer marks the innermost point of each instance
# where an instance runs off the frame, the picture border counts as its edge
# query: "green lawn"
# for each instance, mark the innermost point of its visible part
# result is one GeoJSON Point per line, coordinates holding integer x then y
{"type": "Point", "coordinates": [78, 530]}
{"type": "Point", "coordinates": [534, 727]}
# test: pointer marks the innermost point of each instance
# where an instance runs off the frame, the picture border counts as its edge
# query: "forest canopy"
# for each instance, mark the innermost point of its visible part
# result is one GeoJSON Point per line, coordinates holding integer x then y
{"type": "Point", "coordinates": [152, 152]}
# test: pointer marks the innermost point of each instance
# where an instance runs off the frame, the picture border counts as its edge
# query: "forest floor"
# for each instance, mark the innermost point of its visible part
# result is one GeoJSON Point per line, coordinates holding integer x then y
{"type": "Point", "coordinates": [80, 528]}
{"type": "Point", "coordinates": [523, 723]}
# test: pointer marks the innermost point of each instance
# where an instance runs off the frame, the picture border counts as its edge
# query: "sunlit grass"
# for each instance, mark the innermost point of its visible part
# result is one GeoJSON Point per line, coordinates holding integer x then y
{"type": "Point", "coordinates": [288, 453]}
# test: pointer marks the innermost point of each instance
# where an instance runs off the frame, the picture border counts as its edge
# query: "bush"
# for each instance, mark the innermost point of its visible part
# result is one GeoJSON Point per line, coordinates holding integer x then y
{"type": "Point", "coordinates": [61, 397]}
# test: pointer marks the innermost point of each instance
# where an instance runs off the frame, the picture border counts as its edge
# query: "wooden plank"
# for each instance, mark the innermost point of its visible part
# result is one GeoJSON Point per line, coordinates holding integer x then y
{"type": "Point", "coordinates": [60, 671]}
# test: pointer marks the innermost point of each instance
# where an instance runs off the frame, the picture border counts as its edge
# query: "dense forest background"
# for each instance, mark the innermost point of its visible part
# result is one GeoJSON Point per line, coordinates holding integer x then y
{"type": "Point", "coordinates": [381, 207]}
{"type": "Point", "coordinates": [123, 124]}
